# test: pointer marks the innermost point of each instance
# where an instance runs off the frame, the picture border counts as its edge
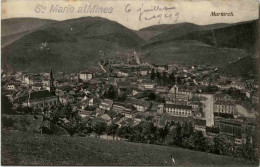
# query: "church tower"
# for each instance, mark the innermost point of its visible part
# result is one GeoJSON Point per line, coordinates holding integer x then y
{"type": "Point", "coordinates": [51, 83]}
{"type": "Point", "coordinates": [175, 90]}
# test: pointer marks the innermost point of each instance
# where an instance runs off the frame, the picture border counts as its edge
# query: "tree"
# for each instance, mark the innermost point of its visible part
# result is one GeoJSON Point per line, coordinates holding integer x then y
{"type": "Point", "coordinates": [110, 93]}
{"type": "Point", "coordinates": [187, 129]}
{"type": "Point", "coordinates": [149, 132]}
{"type": "Point", "coordinates": [137, 133]}
{"type": "Point", "coordinates": [112, 129]}
{"type": "Point", "coordinates": [178, 135]}
{"type": "Point", "coordinates": [246, 151]}
{"type": "Point", "coordinates": [164, 78]}
{"type": "Point", "coordinates": [211, 89]}
{"type": "Point", "coordinates": [199, 141]}
{"type": "Point", "coordinates": [122, 96]}
{"type": "Point", "coordinates": [187, 142]}
{"type": "Point", "coordinates": [151, 96]}
{"type": "Point", "coordinates": [179, 81]}
{"type": "Point", "coordinates": [6, 106]}
{"type": "Point", "coordinates": [126, 132]}
{"type": "Point", "coordinates": [152, 76]}
{"type": "Point", "coordinates": [158, 77]}
{"type": "Point", "coordinates": [85, 127]}
{"type": "Point", "coordinates": [171, 78]}
{"type": "Point", "coordinates": [218, 144]}
{"type": "Point", "coordinates": [27, 110]}
{"type": "Point", "coordinates": [99, 128]}
{"type": "Point", "coordinates": [175, 135]}
{"type": "Point", "coordinates": [72, 126]}
{"type": "Point", "coordinates": [162, 133]}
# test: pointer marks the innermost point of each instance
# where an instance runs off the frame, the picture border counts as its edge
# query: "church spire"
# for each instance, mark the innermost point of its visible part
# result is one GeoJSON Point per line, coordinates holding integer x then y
{"type": "Point", "coordinates": [51, 75]}
{"type": "Point", "coordinates": [51, 83]}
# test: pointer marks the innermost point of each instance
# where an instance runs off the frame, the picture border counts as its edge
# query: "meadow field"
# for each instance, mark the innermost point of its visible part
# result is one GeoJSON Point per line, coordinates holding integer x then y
{"type": "Point", "coordinates": [28, 148]}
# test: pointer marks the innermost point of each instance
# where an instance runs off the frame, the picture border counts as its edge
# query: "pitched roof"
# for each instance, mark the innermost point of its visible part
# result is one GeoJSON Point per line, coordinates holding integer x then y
{"type": "Point", "coordinates": [124, 84]}
{"type": "Point", "coordinates": [106, 103]}
{"type": "Point", "coordinates": [176, 118]}
{"type": "Point", "coordinates": [106, 117]}
{"type": "Point", "coordinates": [66, 88]}
{"type": "Point", "coordinates": [86, 72]}
{"type": "Point", "coordinates": [139, 102]}
{"type": "Point", "coordinates": [112, 113]}
{"type": "Point", "coordinates": [200, 122]}
{"type": "Point", "coordinates": [222, 95]}
{"type": "Point", "coordinates": [40, 95]}
{"type": "Point", "coordinates": [178, 106]}
{"type": "Point", "coordinates": [116, 120]}
{"type": "Point", "coordinates": [222, 102]}
{"type": "Point", "coordinates": [100, 111]}
{"type": "Point", "coordinates": [85, 112]}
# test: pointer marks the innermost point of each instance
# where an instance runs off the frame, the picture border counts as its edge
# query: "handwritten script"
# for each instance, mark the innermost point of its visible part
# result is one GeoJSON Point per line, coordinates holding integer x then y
{"type": "Point", "coordinates": [154, 12]}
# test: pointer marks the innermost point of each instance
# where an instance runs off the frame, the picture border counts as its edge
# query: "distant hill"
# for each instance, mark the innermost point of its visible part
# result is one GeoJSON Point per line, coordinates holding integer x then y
{"type": "Point", "coordinates": [75, 44]}
{"type": "Point", "coordinates": [69, 45]}
{"type": "Point", "coordinates": [159, 32]}
{"type": "Point", "coordinates": [242, 36]}
{"type": "Point", "coordinates": [246, 67]}
{"type": "Point", "coordinates": [239, 35]}
{"type": "Point", "coordinates": [27, 148]}
{"type": "Point", "coordinates": [14, 28]}
{"type": "Point", "coordinates": [17, 25]}
{"type": "Point", "coordinates": [165, 27]}
{"type": "Point", "coordinates": [188, 43]}
{"type": "Point", "coordinates": [190, 52]}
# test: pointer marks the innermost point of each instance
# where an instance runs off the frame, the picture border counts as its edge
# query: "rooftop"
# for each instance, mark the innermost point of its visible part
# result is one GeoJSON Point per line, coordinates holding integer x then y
{"type": "Point", "coordinates": [40, 95]}
{"type": "Point", "coordinates": [139, 102]}
{"type": "Point", "coordinates": [221, 102]}
{"type": "Point", "coordinates": [178, 106]}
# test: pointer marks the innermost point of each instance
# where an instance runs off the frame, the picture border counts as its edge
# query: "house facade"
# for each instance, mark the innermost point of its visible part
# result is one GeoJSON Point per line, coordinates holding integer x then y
{"type": "Point", "coordinates": [140, 105]}
{"type": "Point", "coordinates": [106, 104]}
{"type": "Point", "coordinates": [178, 110]}
{"type": "Point", "coordinates": [41, 99]}
{"type": "Point", "coordinates": [226, 107]}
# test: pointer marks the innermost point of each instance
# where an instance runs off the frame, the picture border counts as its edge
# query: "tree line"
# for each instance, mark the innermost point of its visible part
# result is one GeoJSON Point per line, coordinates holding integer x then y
{"type": "Point", "coordinates": [178, 134]}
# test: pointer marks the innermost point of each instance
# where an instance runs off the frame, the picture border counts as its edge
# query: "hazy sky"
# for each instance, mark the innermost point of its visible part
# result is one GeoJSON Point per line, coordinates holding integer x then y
{"type": "Point", "coordinates": [131, 13]}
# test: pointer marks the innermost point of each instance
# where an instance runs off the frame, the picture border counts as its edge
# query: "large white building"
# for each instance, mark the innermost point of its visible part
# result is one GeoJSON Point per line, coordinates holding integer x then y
{"type": "Point", "coordinates": [178, 110]}
{"type": "Point", "coordinates": [208, 103]}
{"type": "Point", "coordinates": [226, 107]}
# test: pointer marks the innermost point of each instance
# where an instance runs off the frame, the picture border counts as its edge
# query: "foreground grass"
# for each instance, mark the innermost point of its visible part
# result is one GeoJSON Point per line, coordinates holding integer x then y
{"type": "Point", "coordinates": [29, 148]}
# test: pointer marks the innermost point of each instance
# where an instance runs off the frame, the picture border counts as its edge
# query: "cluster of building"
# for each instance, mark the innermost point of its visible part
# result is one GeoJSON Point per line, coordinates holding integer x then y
{"type": "Point", "coordinates": [125, 92]}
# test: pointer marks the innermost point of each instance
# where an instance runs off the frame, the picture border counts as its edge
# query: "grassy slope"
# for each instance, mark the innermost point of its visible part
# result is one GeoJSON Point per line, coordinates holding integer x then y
{"type": "Point", "coordinates": [34, 149]}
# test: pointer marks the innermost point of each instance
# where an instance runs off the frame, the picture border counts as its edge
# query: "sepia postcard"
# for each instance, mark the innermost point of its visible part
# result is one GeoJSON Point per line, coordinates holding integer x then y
{"type": "Point", "coordinates": [130, 83]}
